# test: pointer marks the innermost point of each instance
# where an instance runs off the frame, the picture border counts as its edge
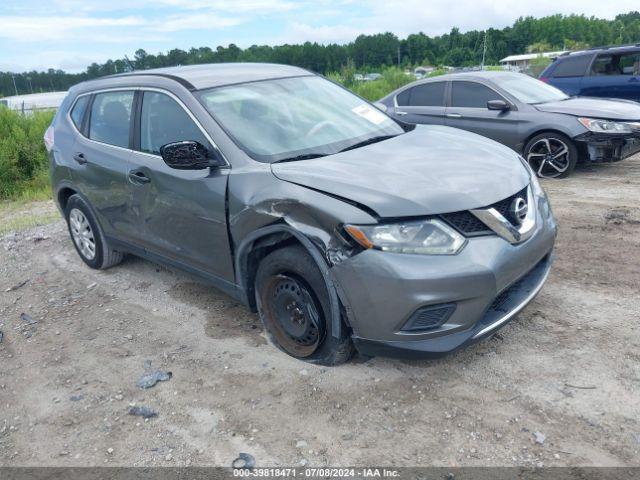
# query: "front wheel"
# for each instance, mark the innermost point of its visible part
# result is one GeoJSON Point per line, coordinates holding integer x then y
{"type": "Point", "coordinates": [551, 155]}
{"type": "Point", "coordinates": [294, 307]}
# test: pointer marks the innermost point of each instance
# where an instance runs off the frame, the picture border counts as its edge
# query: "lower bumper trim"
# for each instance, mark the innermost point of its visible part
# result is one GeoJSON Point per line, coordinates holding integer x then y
{"type": "Point", "coordinates": [533, 291]}
{"type": "Point", "coordinates": [506, 306]}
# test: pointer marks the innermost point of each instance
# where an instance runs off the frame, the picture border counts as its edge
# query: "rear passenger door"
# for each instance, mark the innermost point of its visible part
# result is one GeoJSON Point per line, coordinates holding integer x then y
{"type": "Point", "coordinates": [614, 76]}
{"type": "Point", "coordinates": [468, 111]}
{"type": "Point", "coordinates": [101, 155]}
{"type": "Point", "coordinates": [180, 214]}
{"type": "Point", "coordinates": [423, 103]}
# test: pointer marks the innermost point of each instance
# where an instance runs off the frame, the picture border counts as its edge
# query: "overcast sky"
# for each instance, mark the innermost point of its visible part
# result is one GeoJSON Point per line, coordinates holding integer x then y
{"type": "Point", "coordinates": [70, 34]}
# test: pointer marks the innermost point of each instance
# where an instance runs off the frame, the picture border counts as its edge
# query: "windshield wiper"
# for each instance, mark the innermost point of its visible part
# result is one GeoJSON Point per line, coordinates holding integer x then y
{"type": "Point", "coordinates": [368, 141]}
{"type": "Point", "coordinates": [304, 156]}
{"type": "Point", "coordinates": [551, 101]}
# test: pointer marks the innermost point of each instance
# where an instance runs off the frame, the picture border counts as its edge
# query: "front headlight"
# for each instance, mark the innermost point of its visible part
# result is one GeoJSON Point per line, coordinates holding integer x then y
{"type": "Point", "coordinates": [428, 237]}
{"type": "Point", "coordinates": [604, 126]}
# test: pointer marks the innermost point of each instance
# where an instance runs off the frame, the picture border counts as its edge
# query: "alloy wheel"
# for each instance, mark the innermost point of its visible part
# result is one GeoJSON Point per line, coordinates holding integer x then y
{"type": "Point", "coordinates": [82, 234]}
{"type": "Point", "coordinates": [549, 157]}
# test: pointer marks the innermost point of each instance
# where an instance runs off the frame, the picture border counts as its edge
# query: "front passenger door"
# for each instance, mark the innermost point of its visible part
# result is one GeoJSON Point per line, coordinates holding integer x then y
{"type": "Point", "coordinates": [181, 213]}
{"type": "Point", "coordinates": [468, 111]}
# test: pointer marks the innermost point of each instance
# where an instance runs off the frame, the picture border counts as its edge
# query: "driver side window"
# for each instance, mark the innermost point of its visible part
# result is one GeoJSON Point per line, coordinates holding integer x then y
{"type": "Point", "coordinates": [163, 121]}
{"type": "Point", "coordinates": [472, 95]}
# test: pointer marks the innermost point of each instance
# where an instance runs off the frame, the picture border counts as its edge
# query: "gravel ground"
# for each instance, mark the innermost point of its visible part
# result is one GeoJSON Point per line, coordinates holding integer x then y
{"type": "Point", "coordinates": [558, 386]}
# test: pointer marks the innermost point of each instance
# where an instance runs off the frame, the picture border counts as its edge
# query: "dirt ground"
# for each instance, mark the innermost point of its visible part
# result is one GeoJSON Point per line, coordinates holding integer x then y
{"type": "Point", "coordinates": [565, 372]}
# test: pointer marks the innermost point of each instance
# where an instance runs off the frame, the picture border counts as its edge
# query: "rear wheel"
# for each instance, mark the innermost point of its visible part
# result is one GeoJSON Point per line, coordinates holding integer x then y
{"type": "Point", "coordinates": [294, 306]}
{"type": "Point", "coordinates": [551, 155]}
{"type": "Point", "coordinates": [87, 236]}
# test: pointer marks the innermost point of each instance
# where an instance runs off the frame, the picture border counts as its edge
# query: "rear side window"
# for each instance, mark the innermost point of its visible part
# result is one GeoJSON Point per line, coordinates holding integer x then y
{"type": "Point", "coordinates": [472, 95]}
{"type": "Point", "coordinates": [111, 117]}
{"type": "Point", "coordinates": [164, 121]}
{"type": "Point", "coordinates": [424, 95]}
{"type": "Point", "coordinates": [609, 64]}
{"type": "Point", "coordinates": [572, 66]}
{"type": "Point", "coordinates": [77, 114]}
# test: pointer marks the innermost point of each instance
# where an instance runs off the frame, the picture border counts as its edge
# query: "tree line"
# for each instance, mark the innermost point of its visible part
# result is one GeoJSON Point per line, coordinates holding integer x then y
{"type": "Point", "coordinates": [367, 52]}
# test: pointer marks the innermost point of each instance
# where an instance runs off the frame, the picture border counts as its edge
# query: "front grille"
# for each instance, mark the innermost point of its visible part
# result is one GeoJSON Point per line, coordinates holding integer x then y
{"type": "Point", "coordinates": [468, 224]}
{"type": "Point", "coordinates": [428, 318]}
{"type": "Point", "coordinates": [503, 205]}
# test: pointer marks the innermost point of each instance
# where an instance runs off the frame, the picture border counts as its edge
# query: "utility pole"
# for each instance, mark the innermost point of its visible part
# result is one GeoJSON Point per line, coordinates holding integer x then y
{"type": "Point", "coordinates": [14, 84]}
{"type": "Point", "coordinates": [484, 50]}
{"type": "Point", "coordinates": [129, 64]}
{"type": "Point", "coordinates": [398, 55]}
{"type": "Point", "coordinates": [30, 86]}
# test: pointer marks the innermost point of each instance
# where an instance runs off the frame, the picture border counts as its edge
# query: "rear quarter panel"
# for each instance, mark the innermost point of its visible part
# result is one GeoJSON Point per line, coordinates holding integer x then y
{"type": "Point", "coordinates": [60, 157]}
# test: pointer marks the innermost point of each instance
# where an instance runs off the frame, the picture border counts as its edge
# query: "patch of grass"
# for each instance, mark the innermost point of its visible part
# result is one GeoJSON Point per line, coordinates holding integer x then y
{"type": "Point", "coordinates": [23, 158]}
{"type": "Point", "coordinates": [17, 224]}
{"type": "Point", "coordinates": [22, 214]}
{"type": "Point", "coordinates": [392, 79]}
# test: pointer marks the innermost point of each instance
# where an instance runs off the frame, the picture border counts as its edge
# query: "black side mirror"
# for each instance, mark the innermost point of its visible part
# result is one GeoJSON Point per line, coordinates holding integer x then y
{"type": "Point", "coordinates": [189, 155]}
{"type": "Point", "coordinates": [498, 105]}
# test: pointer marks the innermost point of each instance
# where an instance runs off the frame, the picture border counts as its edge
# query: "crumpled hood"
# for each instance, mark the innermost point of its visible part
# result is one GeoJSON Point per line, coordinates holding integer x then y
{"type": "Point", "coordinates": [430, 170]}
{"type": "Point", "coordinates": [611, 109]}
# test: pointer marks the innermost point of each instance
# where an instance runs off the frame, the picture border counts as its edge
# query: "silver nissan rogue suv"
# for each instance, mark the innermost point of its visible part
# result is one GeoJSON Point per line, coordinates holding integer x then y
{"type": "Point", "coordinates": [341, 227]}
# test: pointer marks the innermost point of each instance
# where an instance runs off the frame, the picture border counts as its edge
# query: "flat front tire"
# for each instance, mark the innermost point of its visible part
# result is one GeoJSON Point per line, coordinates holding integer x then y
{"type": "Point", "coordinates": [87, 237]}
{"type": "Point", "coordinates": [294, 307]}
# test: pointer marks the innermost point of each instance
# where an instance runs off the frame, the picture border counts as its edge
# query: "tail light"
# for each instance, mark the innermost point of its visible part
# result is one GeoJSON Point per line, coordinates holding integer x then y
{"type": "Point", "coordinates": [48, 138]}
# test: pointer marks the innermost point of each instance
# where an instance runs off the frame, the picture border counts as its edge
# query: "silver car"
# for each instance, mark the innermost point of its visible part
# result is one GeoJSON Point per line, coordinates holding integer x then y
{"type": "Point", "coordinates": [341, 227]}
{"type": "Point", "coordinates": [550, 129]}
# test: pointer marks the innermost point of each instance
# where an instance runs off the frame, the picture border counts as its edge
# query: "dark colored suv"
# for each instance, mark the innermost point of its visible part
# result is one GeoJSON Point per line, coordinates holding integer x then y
{"type": "Point", "coordinates": [611, 72]}
{"type": "Point", "coordinates": [337, 224]}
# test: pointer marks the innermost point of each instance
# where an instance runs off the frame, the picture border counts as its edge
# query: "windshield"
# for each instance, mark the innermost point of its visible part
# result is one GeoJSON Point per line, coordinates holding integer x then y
{"type": "Point", "coordinates": [529, 90]}
{"type": "Point", "coordinates": [295, 118]}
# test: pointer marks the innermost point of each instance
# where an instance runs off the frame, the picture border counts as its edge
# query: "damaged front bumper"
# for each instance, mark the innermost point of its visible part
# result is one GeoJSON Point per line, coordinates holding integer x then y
{"type": "Point", "coordinates": [608, 147]}
{"type": "Point", "coordinates": [504, 308]}
{"type": "Point", "coordinates": [419, 306]}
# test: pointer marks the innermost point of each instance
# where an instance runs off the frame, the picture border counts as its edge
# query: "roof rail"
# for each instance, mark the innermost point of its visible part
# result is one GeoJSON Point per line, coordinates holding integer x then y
{"type": "Point", "coordinates": [606, 47]}
{"type": "Point", "coordinates": [603, 47]}
{"type": "Point", "coordinates": [137, 73]}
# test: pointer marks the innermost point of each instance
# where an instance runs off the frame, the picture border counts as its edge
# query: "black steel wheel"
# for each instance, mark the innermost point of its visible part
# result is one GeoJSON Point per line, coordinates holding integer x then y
{"type": "Point", "coordinates": [294, 306]}
{"type": "Point", "coordinates": [297, 319]}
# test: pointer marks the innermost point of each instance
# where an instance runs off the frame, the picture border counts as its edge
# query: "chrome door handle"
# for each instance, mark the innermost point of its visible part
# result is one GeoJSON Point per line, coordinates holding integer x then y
{"type": "Point", "coordinates": [454, 115]}
{"type": "Point", "coordinates": [401, 113]}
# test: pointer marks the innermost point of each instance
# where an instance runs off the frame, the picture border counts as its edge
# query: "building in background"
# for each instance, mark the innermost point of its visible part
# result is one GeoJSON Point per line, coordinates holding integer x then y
{"type": "Point", "coordinates": [521, 63]}
{"type": "Point", "coordinates": [33, 102]}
